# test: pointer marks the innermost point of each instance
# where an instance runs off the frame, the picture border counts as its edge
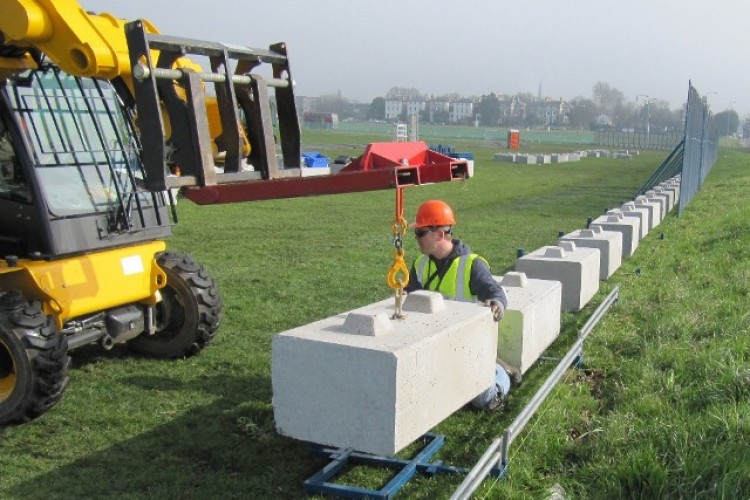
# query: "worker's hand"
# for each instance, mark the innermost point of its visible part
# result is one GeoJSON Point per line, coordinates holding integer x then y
{"type": "Point", "coordinates": [496, 307]}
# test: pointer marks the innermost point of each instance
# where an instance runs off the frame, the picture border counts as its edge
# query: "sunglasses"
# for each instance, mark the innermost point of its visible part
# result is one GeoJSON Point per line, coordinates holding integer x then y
{"type": "Point", "coordinates": [419, 233]}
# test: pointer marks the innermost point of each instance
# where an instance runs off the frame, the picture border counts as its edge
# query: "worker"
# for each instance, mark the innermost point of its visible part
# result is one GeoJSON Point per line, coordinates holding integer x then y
{"type": "Point", "coordinates": [448, 266]}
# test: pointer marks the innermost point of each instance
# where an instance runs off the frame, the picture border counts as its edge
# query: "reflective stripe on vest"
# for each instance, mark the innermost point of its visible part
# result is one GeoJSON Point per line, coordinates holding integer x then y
{"type": "Point", "coordinates": [455, 283]}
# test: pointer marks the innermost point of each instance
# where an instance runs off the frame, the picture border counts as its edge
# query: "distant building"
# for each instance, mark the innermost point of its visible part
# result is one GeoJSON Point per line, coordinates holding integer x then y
{"type": "Point", "coordinates": [393, 109]}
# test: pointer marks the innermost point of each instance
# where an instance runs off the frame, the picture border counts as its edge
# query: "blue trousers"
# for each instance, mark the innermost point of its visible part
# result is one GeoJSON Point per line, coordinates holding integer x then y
{"type": "Point", "coordinates": [501, 385]}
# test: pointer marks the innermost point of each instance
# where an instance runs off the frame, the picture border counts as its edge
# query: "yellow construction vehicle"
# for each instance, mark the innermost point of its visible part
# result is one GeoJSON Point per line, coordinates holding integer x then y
{"type": "Point", "coordinates": [82, 217]}
{"type": "Point", "coordinates": [101, 121]}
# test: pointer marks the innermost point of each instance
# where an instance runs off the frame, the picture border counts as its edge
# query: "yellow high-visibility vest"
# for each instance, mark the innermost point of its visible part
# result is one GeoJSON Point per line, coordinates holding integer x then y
{"type": "Point", "coordinates": [455, 283]}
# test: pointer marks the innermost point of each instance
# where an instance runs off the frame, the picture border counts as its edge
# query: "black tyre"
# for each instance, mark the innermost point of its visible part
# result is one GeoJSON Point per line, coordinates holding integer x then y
{"type": "Point", "coordinates": [34, 360]}
{"type": "Point", "coordinates": [188, 315]}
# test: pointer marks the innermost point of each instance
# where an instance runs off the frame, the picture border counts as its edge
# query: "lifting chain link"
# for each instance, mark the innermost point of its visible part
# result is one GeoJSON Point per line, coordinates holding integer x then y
{"type": "Point", "coordinates": [398, 274]}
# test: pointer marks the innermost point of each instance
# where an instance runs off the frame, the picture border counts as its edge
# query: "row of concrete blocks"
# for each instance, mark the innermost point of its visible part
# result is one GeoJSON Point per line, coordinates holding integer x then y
{"type": "Point", "coordinates": [537, 159]}
{"type": "Point", "coordinates": [578, 263]}
{"type": "Point", "coordinates": [368, 381]}
{"type": "Point", "coordinates": [544, 158]}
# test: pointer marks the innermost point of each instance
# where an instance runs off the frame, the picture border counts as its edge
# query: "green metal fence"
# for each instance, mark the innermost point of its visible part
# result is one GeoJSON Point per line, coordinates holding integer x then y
{"type": "Point", "coordinates": [638, 140]}
{"type": "Point", "coordinates": [499, 134]}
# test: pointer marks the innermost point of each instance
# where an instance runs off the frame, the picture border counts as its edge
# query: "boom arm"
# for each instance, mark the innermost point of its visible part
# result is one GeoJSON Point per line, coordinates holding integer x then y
{"type": "Point", "coordinates": [82, 44]}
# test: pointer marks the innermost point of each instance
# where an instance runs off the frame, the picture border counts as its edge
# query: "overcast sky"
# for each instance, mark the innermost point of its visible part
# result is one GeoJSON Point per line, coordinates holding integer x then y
{"type": "Point", "coordinates": [474, 47]}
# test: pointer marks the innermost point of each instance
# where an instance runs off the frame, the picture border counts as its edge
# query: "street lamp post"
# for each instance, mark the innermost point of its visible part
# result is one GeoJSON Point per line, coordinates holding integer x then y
{"type": "Point", "coordinates": [648, 118]}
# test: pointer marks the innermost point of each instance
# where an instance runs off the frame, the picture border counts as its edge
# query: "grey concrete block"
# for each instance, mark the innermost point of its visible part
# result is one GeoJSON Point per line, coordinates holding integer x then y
{"type": "Point", "coordinates": [671, 195]}
{"type": "Point", "coordinates": [507, 157]}
{"type": "Point", "coordinates": [531, 321]}
{"type": "Point", "coordinates": [609, 244]}
{"type": "Point", "coordinates": [576, 268]}
{"type": "Point", "coordinates": [543, 159]}
{"type": "Point", "coordinates": [673, 186]}
{"type": "Point", "coordinates": [630, 208]}
{"type": "Point", "coordinates": [379, 393]}
{"type": "Point", "coordinates": [526, 159]}
{"type": "Point", "coordinates": [628, 226]}
{"type": "Point", "coordinates": [662, 199]}
{"type": "Point", "coordinates": [641, 215]}
{"type": "Point", "coordinates": [654, 210]}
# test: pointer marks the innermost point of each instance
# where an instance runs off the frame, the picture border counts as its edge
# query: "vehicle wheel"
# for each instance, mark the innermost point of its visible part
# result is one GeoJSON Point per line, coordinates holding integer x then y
{"type": "Point", "coordinates": [34, 360]}
{"type": "Point", "coordinates": [189, 313]}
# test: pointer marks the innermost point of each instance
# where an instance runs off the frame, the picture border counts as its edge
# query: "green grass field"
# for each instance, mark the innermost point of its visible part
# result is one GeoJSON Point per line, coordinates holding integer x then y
{"type": "Point", "coordinates": [660, 409]}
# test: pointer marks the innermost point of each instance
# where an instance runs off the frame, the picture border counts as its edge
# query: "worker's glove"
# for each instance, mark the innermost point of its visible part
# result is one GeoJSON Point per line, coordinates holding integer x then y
{"type": "Point", "coordinates": [496, 307]}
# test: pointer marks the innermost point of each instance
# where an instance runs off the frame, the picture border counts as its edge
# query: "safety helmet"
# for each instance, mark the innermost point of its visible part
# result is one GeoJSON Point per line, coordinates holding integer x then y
{"type": "Point", "coordinates": [434, 213]}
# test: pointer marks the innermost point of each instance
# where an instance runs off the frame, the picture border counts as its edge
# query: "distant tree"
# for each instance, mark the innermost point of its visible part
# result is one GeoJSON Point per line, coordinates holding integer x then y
{"type": "Point", "coordinates": [662, 118]}
{"type": "Point", "coordinates": [582, 113]}
{"type": "Point", "coordinates": [403, 93]}
{"type": "Point", "coordinates": [377, 109]}
{"type": "Point", "coordinates": [608, 98]}
{"type": "Point", "coordinates": [489, 110]}
{"type": "Point", "coordinates": [746, 127]}
{"type": "Point", "coordinates": [727, 122]}
{"type": "Point", "coordinates": [451, 97]}
{"type": "Point", "coordinates": [334, 103]}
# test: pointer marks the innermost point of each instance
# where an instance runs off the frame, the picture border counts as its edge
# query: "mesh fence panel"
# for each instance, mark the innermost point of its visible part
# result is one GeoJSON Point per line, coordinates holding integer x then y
{"type": "Point", "coordinates": [694, 156]}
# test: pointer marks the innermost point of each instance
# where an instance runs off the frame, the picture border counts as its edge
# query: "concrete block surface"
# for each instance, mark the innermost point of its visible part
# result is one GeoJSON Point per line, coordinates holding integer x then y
{"type": "Point", "coordinates": [609, 244]}
{"type": "Point", "coordinates": [576, 268]}
{"type": "Point", "coordinates": [628, 226]}
{"type": "Point", "coordinates": [531, 321]}
{"type": "Point", "coordinates": [630, 208]}
{"type": "Point", "coordinates": [641, 215]}
{"type": "Point", "coordinates": [654, 210]}
{"type": "Point", "coordinates": [338, 385]}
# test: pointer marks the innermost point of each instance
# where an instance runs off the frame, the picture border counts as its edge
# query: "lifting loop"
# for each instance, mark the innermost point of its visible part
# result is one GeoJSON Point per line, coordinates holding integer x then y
{"type": "Point", "coordinates": [398, 274]}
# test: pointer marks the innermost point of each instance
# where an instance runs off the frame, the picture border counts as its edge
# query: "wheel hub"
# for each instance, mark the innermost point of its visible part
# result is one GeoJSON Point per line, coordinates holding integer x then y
{"type": "Point", "coordinates": [7, 373]}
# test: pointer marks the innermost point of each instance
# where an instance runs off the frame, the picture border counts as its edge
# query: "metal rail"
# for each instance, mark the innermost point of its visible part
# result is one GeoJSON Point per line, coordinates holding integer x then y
{"type": "Point", "coordinates": [142, 72]}
{"type": "Point", "coordinates": [498, 449]}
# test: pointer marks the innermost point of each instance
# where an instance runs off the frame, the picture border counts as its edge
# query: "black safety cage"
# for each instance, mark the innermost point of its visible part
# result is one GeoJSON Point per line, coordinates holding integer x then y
{"type": "Point", "coordinates": [80, 158]}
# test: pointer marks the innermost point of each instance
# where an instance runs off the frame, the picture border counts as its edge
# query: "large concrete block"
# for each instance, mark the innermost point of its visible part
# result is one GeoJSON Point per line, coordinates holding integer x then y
{"type": "Point", "coordinates": [630, 208]}
{"type": "Point", "coordinates": [673, 186]}
{"type": "Point", "coordinates": [671, 195]}
{"type": "Point", "coordinates": [641, 215]}
{"type": "Point", "coordinates": [362, 380]}
{"type": "Point", "coordinates": [531, 321]}
{"type": "Point", "coordinates": [675, 181]}
{"type": "Point", "coordinates": [654, 210]}
{"type": "Point", "coordinates": [609, 244]}
{"type": "Point", "coordinates": [662, 199]}
{"type": "Point", "coordinates": [628, 226]}
{"type": "Point", "coordinates": [577, 269]}
{"type": "Point", "coordinates": [507, 157]}
{"type": "Point", "coordinates": [526, 159]}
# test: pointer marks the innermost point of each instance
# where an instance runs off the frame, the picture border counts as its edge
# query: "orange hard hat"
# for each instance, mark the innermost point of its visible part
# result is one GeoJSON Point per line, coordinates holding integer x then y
{"type": "Point", "coordinates": [434, 213]}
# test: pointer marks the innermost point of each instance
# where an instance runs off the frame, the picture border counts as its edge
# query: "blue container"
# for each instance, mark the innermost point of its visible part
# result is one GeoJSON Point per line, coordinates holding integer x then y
{"type": "Point", "coordinates": [312, 160]}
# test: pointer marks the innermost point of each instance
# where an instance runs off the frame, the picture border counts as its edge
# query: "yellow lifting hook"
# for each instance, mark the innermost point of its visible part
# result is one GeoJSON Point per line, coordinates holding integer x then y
{"type": "Point", "coordinates": [398, 274]}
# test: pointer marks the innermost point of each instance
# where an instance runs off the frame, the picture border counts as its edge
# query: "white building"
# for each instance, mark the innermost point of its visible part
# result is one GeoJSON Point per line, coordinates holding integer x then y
{"type": "Point", "coordinates": [461, 110]}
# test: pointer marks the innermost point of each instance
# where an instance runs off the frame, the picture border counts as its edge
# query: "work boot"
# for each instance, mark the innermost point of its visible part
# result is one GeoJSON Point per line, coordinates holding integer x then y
{"type": "Point", "coordinates": [497, 403]}
{"type": "Point", "coordinates": [515, 377]}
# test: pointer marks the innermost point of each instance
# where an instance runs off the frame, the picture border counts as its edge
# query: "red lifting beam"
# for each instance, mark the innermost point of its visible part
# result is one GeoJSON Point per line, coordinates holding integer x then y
{"type": "Point", "coordinates": [384, 165]}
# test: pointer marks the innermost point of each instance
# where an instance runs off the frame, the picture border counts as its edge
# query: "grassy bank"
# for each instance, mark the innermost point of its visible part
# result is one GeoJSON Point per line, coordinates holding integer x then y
{"type": "Point", "coordinates": [660, 410]}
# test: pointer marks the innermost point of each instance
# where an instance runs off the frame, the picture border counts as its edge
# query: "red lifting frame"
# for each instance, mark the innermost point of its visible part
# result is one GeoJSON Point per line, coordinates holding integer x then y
{"type": "Point", "coordinates": [384, 165]}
